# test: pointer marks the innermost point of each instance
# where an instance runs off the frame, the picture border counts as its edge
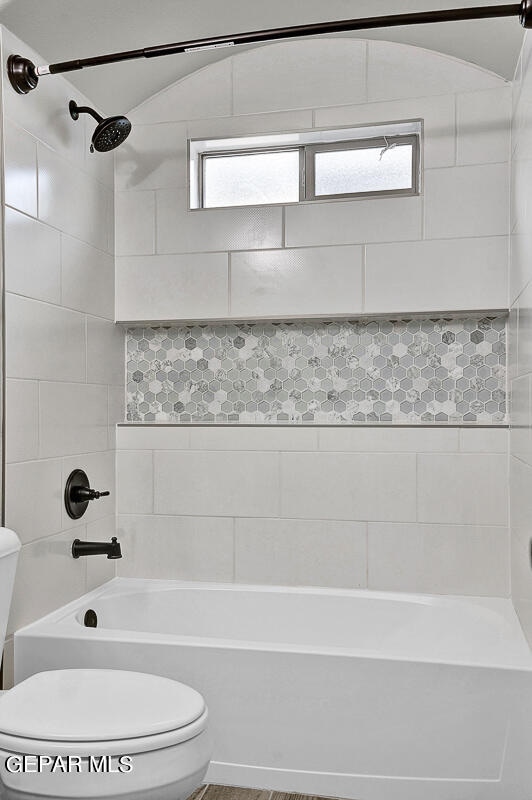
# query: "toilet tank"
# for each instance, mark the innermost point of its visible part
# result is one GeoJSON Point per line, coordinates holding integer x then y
{"type": "Point", "coordinates": [9, 547]}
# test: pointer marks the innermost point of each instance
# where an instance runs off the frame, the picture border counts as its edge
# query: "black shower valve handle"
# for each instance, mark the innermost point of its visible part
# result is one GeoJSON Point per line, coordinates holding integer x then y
{"type": "Point", "coordinates": [81, 494]}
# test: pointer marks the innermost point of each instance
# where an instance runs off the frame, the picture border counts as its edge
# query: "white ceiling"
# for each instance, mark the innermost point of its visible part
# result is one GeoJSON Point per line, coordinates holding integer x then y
{"type": "Point", "coordinates": [66, 29]}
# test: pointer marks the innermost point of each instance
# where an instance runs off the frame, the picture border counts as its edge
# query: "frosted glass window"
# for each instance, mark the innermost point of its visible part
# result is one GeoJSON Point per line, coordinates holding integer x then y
{"type": "Point", "coordinates": [247, 179]}
{"type": "Point", "coordinates": [368, 169]}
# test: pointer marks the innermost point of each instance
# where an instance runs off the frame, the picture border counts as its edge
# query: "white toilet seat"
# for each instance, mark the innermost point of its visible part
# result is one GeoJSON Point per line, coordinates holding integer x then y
{"type": "Point", "coordinates": [97, 705]}
{"type": "Point", "coordinates": [111, 747]}
{"type": "Point", "coordinates": [91, 713]}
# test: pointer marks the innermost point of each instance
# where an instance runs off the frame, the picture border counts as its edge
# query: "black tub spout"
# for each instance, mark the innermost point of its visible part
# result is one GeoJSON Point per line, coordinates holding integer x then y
{"type": "Point", "coordinates": [110, 549]}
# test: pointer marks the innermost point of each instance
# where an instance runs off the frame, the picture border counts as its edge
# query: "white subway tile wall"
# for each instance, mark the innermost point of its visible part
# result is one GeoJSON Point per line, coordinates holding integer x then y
{"type": "Point", "coordinates": [401, 510]}
{"type": "Point", "coordinates": [64, 356]}
{"type": "Point", "coordinates": [520, 343]}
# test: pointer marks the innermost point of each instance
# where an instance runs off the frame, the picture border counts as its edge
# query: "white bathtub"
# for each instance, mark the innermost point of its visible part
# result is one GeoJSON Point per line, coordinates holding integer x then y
{"type": "Point", "coordinates": [353, 694]}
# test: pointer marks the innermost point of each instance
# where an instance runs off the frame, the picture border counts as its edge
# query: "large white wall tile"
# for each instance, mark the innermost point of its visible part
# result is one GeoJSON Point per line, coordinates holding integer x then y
{"type": "Point", "coordinates": [465, 489]}
{"type": "Point", "coordinates": [524, 332]}
{"type": "Point", "coordinates": [153, 437]}
{"type": "Point", "coordinates": [319, 280]}
{"type": "Point", "coordinates": [216, 484]}
{"type": "Point", "coordinates": [520, 497]}
{"type": "Point", "coordinates": [73, 419]}
{"type": "Point", "coordinates": [438, 559]}
{"type": "Point", "coordinates": [308, 74]}
{"type": "Point", "coordinates": [521, 572]}
{"type": "Point", "coordinates": [300, 553]}
{"type": "Point", "coordinates": [388, 440]}
{"type": "Point", "coordinates": [177, 548]}
{"type": "Point", "coordinates": [466, 201]}
{"type": "Point", "coordinates": [22, 420]}
{"type": "Point", "coordinates": [88, 278]}
{"type": "Point", "coordinates": [180, 230]}
{"type": "Point", "coordinates": [20, 176]}
{"type": "Point", "coordinates": [205, 437]}
{"type": "Point", "coordinates": [271, 122]}
{"type": "Point", "coordinates": [153, 157]}
{"type": "Point", "coordinates": [353, 222]}
{"type": "Point", "coordinates": [43, 480]}
{"type": "Point", "coordinates": [348, 486]}
{"type": "Point", "coordinates": [521, 419]}
{"type": "Point", "coordinates": [397, 70]}
{"type": "Point", "coordinates": [8, 664]}
{"type": "Point", "coordinates": [47, 578]}
{"type": "Point", "coordinates": [116, 409]}
{"type": "Point", "coordinates": [73, 202]}
{"type": "Point", "coordinates": [32, 258]}
{"type": "Point", "coordinates": [437, 113]}
{"type": "Point", "coordinates": [520, 273]}
{"type": "Point", "coordinates": [205, 93]}
{"type": "Point", "coordinates": [43, 341]}
{"type": "Point", "coordinates": [135, 223]}
{"type": "Point", "coordinates": [105, 352]}
{"type": "Point", "coordinates": [483, 126]}
{"type": "Point", "coordinates": [193, 286]}
{"type": "Point", "coordinates": [134, 473]}
{"type": "Point", "coordinates": [484, 440]}
{"type": "Point", "coordinates": [438, 275]}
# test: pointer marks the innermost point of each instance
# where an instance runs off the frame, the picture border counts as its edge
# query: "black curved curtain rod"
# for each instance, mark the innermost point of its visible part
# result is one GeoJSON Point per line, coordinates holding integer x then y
{"type": "Point", "coordinates": [24, 75]}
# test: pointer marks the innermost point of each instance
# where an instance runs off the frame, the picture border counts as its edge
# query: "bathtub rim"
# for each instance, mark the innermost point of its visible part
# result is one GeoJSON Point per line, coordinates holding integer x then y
{"type": "Point", "coordinates": [61, 623]}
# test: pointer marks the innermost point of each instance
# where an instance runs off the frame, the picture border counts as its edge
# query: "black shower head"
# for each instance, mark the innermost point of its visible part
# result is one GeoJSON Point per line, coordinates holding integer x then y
{"type": "Point", "coordinates": [109, 132]}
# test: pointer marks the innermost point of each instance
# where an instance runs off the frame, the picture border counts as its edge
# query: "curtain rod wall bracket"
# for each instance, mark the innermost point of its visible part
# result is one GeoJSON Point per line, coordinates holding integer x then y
{"type": "Point", "coordinates": [24, 75]}
{"type": "Point", "coordinates": [526, 13]}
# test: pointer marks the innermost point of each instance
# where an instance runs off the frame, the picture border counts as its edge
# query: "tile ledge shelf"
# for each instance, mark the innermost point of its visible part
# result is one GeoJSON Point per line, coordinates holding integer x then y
{"type": "Point", "coordinates": [355, 316]}
{"type": "Point", "coordinates": [314, 425]}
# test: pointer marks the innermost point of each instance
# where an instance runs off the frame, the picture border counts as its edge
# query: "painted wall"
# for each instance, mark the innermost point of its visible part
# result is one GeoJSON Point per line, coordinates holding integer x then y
{"type": "Point", "coordinates": [405, 509]}
{"type": "Point", "coordinates": [64, 356]}
{"type": "Point", "coordinates": [520, 346]}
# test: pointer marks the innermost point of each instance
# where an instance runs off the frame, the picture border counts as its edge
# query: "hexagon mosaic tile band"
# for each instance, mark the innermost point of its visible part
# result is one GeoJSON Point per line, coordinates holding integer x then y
{"type": "Point", "coordinates": [347, 372]}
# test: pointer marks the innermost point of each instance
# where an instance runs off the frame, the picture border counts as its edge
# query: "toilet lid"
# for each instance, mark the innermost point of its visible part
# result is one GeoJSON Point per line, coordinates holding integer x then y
{"type": "Point", "coordinates": [87, 705]}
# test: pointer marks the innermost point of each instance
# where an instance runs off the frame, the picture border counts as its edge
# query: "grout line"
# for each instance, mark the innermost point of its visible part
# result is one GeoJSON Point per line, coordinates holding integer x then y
{"type": "Point", "coordinates": [61, 231]}
{"type": "Point", "coordinates": [364, 274]}
{"type": "Point", "coordinates": [229, 282]}
{"type": "Point", "coordinates": [366, 73]}
{"type": "Point", "coordinates": [416, 486]}
{"type": "Point", "coordinates": [455, 138]}
{"type": "Point", "coordinates": [60, 307]}
{"type": "Point", "coordinates": [367, 555]}
{"type": "Point", "coordinates": [37, 181]}
{"type": "Point", "coordinates": [422, 523]}
{"type": "Point", "coordinates": [234, 550]}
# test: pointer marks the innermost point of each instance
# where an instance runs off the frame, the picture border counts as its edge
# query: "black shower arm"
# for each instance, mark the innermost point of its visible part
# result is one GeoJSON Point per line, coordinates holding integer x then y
{"type": "Point", "coordinates": [24, 75]}
{"type": "Point", "coordinates": [86, 110]}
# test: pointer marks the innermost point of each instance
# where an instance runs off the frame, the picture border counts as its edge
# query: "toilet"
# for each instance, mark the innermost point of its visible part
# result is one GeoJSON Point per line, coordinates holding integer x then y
{"type": "Point", "coordinates": [96, 733]}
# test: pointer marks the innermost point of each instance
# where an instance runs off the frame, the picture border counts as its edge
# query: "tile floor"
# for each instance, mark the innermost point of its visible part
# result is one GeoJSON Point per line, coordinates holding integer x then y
{"type": "Point", "coordinates": [212, 792]}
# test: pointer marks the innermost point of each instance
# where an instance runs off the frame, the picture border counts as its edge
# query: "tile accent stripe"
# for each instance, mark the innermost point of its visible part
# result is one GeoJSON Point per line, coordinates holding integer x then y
{"type": "Point", "coordinates": [347, 372]}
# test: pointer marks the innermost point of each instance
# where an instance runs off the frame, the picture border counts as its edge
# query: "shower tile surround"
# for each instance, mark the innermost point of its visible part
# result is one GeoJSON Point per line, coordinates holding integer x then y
{"type": "Point", "coordinates": [386, 505]}
{"type": "Point", "coordinates": [340, 372]}
{"type": "Point", "coordinates": [171, 264]}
